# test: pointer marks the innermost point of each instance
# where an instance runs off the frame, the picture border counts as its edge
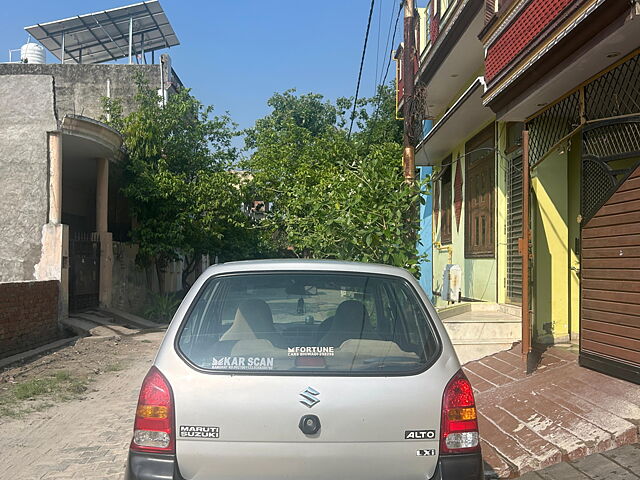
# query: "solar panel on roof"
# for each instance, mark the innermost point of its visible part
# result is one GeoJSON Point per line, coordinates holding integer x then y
{"type": "Point", "coordinates": [102, 36]}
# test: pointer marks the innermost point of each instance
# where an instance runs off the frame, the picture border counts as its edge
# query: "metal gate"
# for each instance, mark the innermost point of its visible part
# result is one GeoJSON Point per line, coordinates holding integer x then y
{"type": "Point", "coordinates": [84, 271]}
{"type": "Point", "coordinates": [610, 248]}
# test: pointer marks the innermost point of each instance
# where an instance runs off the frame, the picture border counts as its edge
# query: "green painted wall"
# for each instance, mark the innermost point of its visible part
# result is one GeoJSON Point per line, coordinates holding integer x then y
{"type": "Point", "coordinates": [479, 276]}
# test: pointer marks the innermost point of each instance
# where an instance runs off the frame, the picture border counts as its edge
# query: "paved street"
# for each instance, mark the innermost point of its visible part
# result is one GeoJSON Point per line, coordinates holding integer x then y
{"type": "Point", "coordinates": [80, 439]}
{"type": "Point", "coordinates": [559, 412]}
{"type": "Point", "coordinates": [528, 423]}
{"type": "Point", "coordinates": [620, 464]}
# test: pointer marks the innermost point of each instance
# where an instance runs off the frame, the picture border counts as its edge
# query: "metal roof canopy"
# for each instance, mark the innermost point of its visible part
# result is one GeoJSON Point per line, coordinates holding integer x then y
{"type": "Point", "coordinates": [107, 35]}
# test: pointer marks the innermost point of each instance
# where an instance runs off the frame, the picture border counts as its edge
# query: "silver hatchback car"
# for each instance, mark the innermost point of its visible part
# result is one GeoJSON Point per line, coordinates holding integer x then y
{"type": "Point", "coordinates": [305, 370]}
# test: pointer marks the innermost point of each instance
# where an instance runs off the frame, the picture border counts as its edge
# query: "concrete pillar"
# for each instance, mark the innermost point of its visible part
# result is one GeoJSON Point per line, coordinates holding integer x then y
{"type": "Point", "coordinates": [106, 238]}
{"type": "Point", "coordinates": [55, 177]}
{"type": "Point", "coordinates": [102, 195]}
{"type": "Point", "coordinates": [54, 261]}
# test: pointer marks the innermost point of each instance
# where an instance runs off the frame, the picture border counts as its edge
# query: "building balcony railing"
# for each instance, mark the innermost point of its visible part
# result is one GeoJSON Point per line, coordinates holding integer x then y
{"type": "Point", "coordinates": [517, 28]}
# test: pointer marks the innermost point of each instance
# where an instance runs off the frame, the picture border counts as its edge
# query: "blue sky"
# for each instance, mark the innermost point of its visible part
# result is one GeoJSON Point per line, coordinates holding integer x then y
{"type": "Point", "coordinates": [234, 54]}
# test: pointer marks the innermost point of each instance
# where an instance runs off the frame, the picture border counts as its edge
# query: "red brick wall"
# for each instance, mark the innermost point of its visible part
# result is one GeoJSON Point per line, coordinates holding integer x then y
{"type": "Point", "coordinates": [538, 15]}
{"type": "Point", "coordinates": [28, 315]}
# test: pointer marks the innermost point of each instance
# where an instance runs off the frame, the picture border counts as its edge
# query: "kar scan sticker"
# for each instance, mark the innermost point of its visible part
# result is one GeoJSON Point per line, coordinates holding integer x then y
{"type": "Point", "coordinates": [242, 363]}
{"type": "Point", "coordinates": [199, 431]}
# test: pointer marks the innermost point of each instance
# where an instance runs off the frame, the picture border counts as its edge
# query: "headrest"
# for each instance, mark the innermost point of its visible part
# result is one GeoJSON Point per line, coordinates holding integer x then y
{"type": "Point", "coordinates": [253, 320]}
{"type": "Point", "coordinates": [351, 316]}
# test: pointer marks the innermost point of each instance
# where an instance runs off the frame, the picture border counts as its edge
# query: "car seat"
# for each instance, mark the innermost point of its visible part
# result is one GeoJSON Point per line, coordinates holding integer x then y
{"type": "Point", "coordinates": [253, 320]}
{"type": "Point", "coordinates": [351, 321]}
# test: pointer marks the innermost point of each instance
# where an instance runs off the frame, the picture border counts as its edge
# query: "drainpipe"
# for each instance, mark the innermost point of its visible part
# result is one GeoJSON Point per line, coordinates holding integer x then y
{"type": "Point", "coordinates": [524, 250]}
{"type": "Point", "coordinates": [163, 91]}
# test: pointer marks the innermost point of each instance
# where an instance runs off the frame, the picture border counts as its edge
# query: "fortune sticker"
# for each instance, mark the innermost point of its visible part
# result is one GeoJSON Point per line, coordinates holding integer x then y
{"type": "Point", "coordinates": [310, 351]}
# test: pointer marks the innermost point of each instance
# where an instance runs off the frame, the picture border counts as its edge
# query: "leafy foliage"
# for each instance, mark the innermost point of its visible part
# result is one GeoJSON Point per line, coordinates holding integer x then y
{"type": "Point", "coordinates": [178, 179]}
{"type": "Point", "coordinates": [162, 307]}
{"type": "Point", "coordinates": [334, 196]}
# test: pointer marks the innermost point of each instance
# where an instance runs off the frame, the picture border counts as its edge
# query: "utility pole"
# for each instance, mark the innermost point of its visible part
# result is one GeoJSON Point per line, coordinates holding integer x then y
{"type": "Point", "coordinates": [408, 55]}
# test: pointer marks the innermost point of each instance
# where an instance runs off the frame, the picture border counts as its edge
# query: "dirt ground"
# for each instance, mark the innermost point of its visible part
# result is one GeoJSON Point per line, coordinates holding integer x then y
{"type": "Point", "coordinates": [67, 373]}
{"type": "Point", "coordinates": [69, 414]}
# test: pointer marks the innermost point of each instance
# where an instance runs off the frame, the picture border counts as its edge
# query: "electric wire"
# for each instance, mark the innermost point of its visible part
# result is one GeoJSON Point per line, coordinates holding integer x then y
{"type": "Point", "coordinates": [386, 42]}
{"type": "Point", "coordinates": [383, 82]}
{"type": "Point", "coordinates": [378, 45]}
{"type": "Point", "coordinates": [364, 51]}
{"type": "Point", "coordinates": [393, 40]}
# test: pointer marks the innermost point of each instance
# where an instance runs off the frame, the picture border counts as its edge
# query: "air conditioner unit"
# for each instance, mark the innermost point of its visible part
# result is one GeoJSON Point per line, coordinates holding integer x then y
{"type": "Point", "coordinates": [451, 283]}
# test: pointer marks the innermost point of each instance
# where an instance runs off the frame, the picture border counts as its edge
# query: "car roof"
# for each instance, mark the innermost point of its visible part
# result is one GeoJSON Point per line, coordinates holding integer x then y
{"type": "Point", "coordinates": [295, 264]}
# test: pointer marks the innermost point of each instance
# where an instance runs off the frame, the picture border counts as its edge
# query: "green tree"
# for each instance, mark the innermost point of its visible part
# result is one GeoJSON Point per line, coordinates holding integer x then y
{"type": "Point", "coordinates": [178, 178]}
{"type": "Point", "coordinates": [376, 120]}
{"type": "Point", "coordinates": [335, 196]}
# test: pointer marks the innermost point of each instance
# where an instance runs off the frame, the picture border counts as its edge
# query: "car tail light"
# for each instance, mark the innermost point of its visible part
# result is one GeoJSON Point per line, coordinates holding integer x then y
{"type": "Point", "coordinates": [459, 429]}
{"type": "Point", "coordinates": [153, 427]}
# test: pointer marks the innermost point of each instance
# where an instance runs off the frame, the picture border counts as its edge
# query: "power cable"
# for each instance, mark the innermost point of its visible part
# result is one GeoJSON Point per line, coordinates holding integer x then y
{"type": "Point", "coordinates": [375, 113]}
{"type": "Point", "coordinates": [378, 45]}
{"type": "Point", "coordinates": [386, 42]}
{"type": "Point", "coordinates": [364, 51]}
{"type": "Point", "coordinates": [393, 41]}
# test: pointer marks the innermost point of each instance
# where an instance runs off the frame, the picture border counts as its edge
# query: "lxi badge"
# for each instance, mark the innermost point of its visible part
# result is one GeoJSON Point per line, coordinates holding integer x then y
{"type": "Point", "coordinates": [426, 453]}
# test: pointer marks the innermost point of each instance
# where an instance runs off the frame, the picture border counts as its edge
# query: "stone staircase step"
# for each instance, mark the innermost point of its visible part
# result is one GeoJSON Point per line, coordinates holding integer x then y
{"type": "Point", "coordinates": [485, 341]}
{"type": "Point", "coordinates": [557, 412]}
{"type": "Point", "coordinates": [106, 322]}
{"type": "Point", "coordinates": [495, 466]}
{"type": "Point", "coordinates": [127, 318]}
{"type": "Point", "coordinates": [485, 331]}
{"type": "Point", "coordinates": [85, 328]}
{"type": "Point", "coordinates": [469, 353]}
{"type": "Point", "coordinates": [466, 320]}
{"type": "Point", "coordinates": [541, 451]}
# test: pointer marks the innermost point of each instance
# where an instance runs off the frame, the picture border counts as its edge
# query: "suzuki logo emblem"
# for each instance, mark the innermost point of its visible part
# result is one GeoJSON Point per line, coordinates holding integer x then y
{"type": "Point", "coordinates": [309, 397]}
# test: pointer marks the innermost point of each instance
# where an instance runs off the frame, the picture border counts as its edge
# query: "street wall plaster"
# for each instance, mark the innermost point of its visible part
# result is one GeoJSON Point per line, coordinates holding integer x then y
{"type": "Point", "coordinates": [79, 89]}
{"type": "Point", "coordinates": [27, 113]}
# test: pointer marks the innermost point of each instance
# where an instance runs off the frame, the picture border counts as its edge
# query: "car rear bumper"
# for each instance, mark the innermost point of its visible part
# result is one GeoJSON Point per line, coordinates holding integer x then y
{"type": "Point", "coordinates": [149, 466]}
{"type": "Point", "coordinates": [460, 467]}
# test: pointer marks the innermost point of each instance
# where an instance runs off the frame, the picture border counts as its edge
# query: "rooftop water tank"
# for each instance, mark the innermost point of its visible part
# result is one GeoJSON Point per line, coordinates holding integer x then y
{"type": "Point", "coordinates": [32, 53]}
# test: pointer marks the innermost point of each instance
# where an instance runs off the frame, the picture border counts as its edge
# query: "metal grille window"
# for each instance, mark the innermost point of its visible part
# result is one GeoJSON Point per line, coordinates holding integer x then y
{"type": "Point", "coordinates": [616, 93]}
{"type": "Point", "coordinates": [479, 195]}
{"type": "Point", "coordinates": [514, 212]}
{"type": "Point", "coordinates": [552, 125]}
{"type": "Point", "coordinates": [514, 230]}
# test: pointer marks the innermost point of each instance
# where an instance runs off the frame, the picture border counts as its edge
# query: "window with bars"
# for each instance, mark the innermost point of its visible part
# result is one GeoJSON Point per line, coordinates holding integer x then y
{"type": "Point", "coordinates": [515, 197]}
{"type": "Point", "coordinates": [479, 195]}
{"type": "Point", "coordinates": [446, 202]}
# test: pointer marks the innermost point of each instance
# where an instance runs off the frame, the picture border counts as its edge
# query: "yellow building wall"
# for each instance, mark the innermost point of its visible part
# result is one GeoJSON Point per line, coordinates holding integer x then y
{"type": "Point", "coordinates": [575, 158]}
{"type": "Point", "coordinates": [480, 276]}
{"type": "Point", "coordinates": [501, 215]}
{"type": "Point", "coordinates": [551, 258]}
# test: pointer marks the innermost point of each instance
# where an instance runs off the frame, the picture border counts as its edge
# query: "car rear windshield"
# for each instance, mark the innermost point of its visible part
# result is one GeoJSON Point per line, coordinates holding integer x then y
{"type": "Point", "coordinates": [331, 323]}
